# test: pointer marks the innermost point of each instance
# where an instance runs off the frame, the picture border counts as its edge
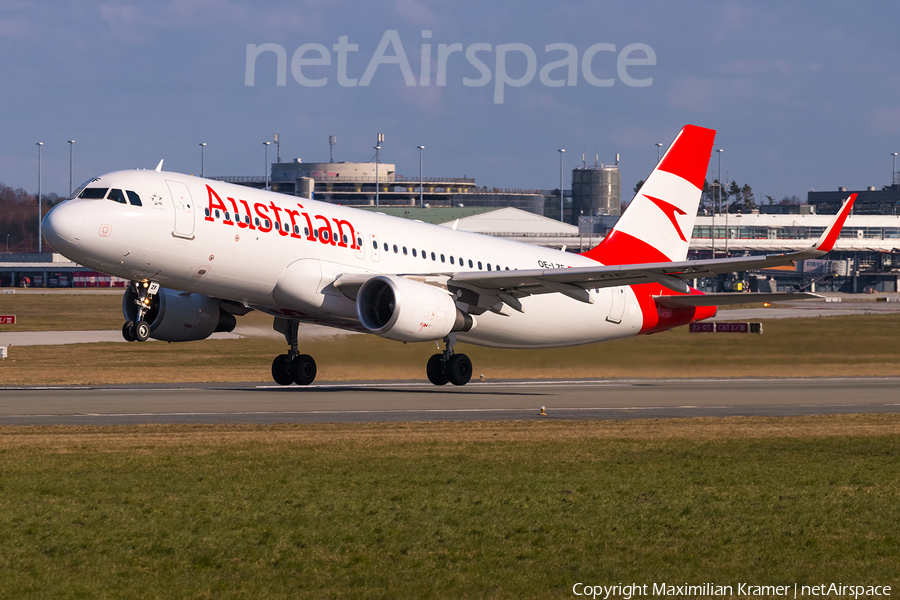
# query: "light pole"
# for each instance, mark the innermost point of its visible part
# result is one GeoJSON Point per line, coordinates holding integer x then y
{"type": "Point", "coordinates": [893, 166]}
{"type": "Point", "coordinates": [658, 146]}
{"type": "Point", "coordinates": [40, 225]}
{"type": "Point", "coordinates": [561, 150]}
{"type": "Point", "coordinates": [266, 144]}
{"type": "Point", "coordinates": [332, 140]}
{"type": "Point", "coordinates": [71, 142]}
{"type": "Point", "coordinates": [203, 159]}
{"type": "Point", "coordinates": [719, 194]}
{"type": "Point", "coordinates": [378, 141]}
{"type": "Point", "coordinates": [421, 180]}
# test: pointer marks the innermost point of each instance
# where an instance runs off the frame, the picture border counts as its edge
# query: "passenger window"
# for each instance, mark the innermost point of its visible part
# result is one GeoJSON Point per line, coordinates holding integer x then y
{"type": "Point", "coordinates": [433, 257]}
{"type": "Point", "coordinates": [489, 266]}
{"type": "Point", "coordinates": [404, 250]}
{"type": "Point", "coordinates": [479, 266]}
{"type": "Point", "coordinates": [461, 262]}
{"type": "Point", "coordinates": [345, 238]}
{"type": "Point", "coordinates": [296, 230]}
{"type": "Point", "coordinates": [93, 193]}
{"type": "Point", "coordinates": [451, 260]}
{"type": "Point", "coordinates": [470, 263]}
{"type": "Point", "coordinates": [414, 253]}
{"type": "Point", "coordinates": [395, 248]}
{"type": "Point", "coordinates": [256, 220]}
{"type": "Point", "coordinates": [385, 247]}
{"type": "Point", "coordinates": [206, 211]}
{"type": "Point", "coordinates": [134, 198]}
{"type": "Point", "coordinates": [374, 245]}
{"type": "Point", "coordinates": [247, 219]}
{"type": "Point", "coordinates": [217, 210]}
{"type": "Point", "coordinates": [268, 223]}
{"type": "Point", "coordinates": [325, 235]}
{"type": "Point", "coordinates": [359, 243]}
{"type": "Point", "coordinates": [442, 258]}
{"type": "Point", "coordinates": [227, 216]}
{"type": "Point", "coordinates": [316, 233]}
{"type": "Point", "coordinates": [117, 196]}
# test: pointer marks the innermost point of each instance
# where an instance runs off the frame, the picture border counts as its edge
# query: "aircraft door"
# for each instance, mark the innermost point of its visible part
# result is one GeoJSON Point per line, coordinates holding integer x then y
{"type": "Point", "coordinates": [184, 209]}
{"type": "Point", "coordinates": [617, 306]}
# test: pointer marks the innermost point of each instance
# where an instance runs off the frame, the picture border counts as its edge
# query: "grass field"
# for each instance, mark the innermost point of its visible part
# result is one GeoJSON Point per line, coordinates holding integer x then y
{"type": "Point", "coordinates": [825, 346]}
{"type": "Point", "coordinates": [453, 510]}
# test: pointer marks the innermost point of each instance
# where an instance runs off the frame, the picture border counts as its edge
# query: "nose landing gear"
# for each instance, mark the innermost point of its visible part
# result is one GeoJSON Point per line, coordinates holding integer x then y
{"type": "Point", "coordinates": [448, 367]}
{"type": "Point", "coordinates": [139, 330]}
{"type": "Point", "coordinates": [292, 367]}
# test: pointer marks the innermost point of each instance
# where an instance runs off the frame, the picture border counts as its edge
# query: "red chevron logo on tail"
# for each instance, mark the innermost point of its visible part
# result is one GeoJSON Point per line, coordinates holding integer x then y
{"type": "Point", "coordinates": [669, 210]}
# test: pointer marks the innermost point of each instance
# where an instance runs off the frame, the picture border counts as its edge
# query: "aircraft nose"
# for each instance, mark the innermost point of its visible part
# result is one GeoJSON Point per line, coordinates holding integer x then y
{"type": "Point", "coordinates": [64, 226]}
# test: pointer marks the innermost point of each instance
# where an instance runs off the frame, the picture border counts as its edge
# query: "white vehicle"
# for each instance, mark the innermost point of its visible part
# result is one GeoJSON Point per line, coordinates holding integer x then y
{"type": "Point", "coordinates": [200, 252]}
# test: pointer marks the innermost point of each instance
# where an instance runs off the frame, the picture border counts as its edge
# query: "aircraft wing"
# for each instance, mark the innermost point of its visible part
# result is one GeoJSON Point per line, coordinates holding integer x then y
{"type": "Point", "coordinates": [575, 281]}
{"type": "Point", "coordinates": [508, 286]}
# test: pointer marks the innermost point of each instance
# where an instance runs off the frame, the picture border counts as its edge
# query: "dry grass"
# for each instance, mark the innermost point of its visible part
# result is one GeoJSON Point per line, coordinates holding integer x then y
{"type": "Point", "coordinates": [210, 438]}
{"type": "Point", "coordinates": [861, 345]}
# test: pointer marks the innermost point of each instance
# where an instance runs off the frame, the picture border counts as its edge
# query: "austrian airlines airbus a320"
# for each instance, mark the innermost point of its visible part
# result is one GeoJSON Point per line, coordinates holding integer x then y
{"type": "Point", "coordinates": [200, 252]}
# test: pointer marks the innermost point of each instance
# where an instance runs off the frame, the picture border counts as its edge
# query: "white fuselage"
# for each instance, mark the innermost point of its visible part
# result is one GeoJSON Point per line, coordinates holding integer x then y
{"type": "Point", "coordinates": [290, 271]}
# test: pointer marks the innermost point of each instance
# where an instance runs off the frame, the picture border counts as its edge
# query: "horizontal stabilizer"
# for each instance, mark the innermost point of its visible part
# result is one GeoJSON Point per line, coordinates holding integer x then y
{"type": "Point", "coordinates": [726, 298]}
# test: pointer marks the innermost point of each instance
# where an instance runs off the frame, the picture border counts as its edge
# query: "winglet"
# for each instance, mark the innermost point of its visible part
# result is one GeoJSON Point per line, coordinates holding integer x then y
{"type": "Point", "coordinates": [826, 242]}
{"type": "Point", "coordinates": [159, 166]}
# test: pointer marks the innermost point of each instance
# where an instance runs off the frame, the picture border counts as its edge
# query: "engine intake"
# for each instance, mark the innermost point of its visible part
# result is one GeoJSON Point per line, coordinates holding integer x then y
{"type": "Point", "coordinates": [408, 311]}
{"type": "Point", "coordinates": [180, 316]}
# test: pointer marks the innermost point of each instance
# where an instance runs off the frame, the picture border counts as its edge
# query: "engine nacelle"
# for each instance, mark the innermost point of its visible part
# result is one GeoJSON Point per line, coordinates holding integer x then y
{"type": "Point", "coordinates": [408, 311]}
{"type": "Point", "coordinates": [180, 316]}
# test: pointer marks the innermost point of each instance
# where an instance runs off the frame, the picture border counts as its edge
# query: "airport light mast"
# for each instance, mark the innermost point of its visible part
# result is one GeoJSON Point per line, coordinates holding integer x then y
{"type": "Point", "coordinates": [893, 168]}
{"type": "Point", "coordinates": [40, 145]}
{"type": "Point", "coordinates": [561, 150]}
{"type": "Point", "coordinates": [421, 180]}
{"type": "Point", "coordinates": [332, 140]}
{"type": "Point", "coordinates": [202, 159]}
{"type": "Point", "coordinates": [378, 142]}
{"type": "Point", "coordinates": [266, 144]}
{"type": "Point", "coordinates": [71, 142]}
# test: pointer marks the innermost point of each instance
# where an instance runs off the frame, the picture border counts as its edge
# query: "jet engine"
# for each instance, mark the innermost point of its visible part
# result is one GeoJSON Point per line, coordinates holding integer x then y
{"type": "Point", "coordinates": [179, 316]}
{"type": "Point", "coordinates": [408, 311]}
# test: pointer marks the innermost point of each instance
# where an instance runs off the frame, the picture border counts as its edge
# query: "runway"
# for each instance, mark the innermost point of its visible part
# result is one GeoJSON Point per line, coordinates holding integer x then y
{"type": "Point", "coordinates": [370, 402]}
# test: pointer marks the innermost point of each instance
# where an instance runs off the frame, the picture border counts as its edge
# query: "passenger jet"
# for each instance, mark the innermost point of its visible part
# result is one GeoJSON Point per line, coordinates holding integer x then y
{"type": "Point", "coordinates": [200, 252]}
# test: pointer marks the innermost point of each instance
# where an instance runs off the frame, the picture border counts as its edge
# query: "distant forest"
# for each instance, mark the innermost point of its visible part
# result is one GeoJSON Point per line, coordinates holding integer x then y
{"type": "Point", "coordinates": [19, 218]}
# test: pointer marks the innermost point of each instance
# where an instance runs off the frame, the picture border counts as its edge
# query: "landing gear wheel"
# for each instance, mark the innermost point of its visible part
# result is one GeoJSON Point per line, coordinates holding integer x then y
{"type": "Point", "coordinates": [281, 370]}
{"type": "Point", "coordinates": [128, 331]}
{"type": "Point", "coordinates": [459, 369]}
{"type": "Point", "coordinates": [142, 331]}
{"type": "Point", "coordinates": [435, 370]}
{"type": "Point", "coordinates": [303, 369]}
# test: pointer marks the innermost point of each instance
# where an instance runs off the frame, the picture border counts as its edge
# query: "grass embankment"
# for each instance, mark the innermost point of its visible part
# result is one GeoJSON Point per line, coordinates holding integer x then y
{"type": "Point", "coordinates": [864, 345]}
{"type": "Point", "coordinates": [458, 510]}
{"type": "Point", "coordinates": [77, 311]}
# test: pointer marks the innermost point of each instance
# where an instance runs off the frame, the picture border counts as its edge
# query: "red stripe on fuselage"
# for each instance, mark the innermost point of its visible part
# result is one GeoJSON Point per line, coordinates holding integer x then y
{"type": "Point", "coordinates": [619, 248]}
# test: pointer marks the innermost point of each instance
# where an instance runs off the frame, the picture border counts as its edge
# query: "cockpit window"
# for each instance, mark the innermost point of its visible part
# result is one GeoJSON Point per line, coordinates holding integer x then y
{"type": "Point", "coordinates": [93, 193]}
{"type": "Point", "coordinates": [134, 198]}
{"type": "Point", "coordinates": [117, 196]}
{"type": "Point", "coordinates": [80, 188]}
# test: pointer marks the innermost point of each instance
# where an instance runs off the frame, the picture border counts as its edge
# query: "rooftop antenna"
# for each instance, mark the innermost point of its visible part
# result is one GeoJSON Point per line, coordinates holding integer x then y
{"type": "Point", "coordinates": [332, 140]}
{"type": "Point", "coordinates": [596, 157]}
{"type": "Point", "coordinates": [277, 148]}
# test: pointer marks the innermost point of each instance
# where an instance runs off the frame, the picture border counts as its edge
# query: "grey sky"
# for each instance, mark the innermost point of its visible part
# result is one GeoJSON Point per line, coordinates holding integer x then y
{"type": "Point", "coordinates": [804, 95]}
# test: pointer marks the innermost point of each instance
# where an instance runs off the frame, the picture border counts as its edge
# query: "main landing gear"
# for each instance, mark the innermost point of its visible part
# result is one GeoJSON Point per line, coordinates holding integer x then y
{"type": "Point", "coordinates": [448, 367]}
{"type": "Point", "coordinates": [139, 330]}
{"type": "Point", "coordinates": [292, 367]}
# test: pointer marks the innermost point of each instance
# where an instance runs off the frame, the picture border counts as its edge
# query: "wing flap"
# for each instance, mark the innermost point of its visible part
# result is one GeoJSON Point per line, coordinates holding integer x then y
{"type": "Point", "coordinates": [728, 298]}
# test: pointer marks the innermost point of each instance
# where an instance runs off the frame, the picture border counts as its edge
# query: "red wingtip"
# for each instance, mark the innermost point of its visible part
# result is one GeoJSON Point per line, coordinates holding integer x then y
{"type": "Point", "coordinates": [835, 230]}
{"type": "Point", "coordinates": [688, 157]}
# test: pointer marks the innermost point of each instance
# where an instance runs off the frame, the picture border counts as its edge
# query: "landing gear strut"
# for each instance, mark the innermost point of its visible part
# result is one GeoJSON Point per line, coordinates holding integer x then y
{"type": "Point", "coordinates": [448, 367]}
{"type": "Point", "coordinates": [139, 330]}
{"type": "Point", "coordinates": [292, 367]}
